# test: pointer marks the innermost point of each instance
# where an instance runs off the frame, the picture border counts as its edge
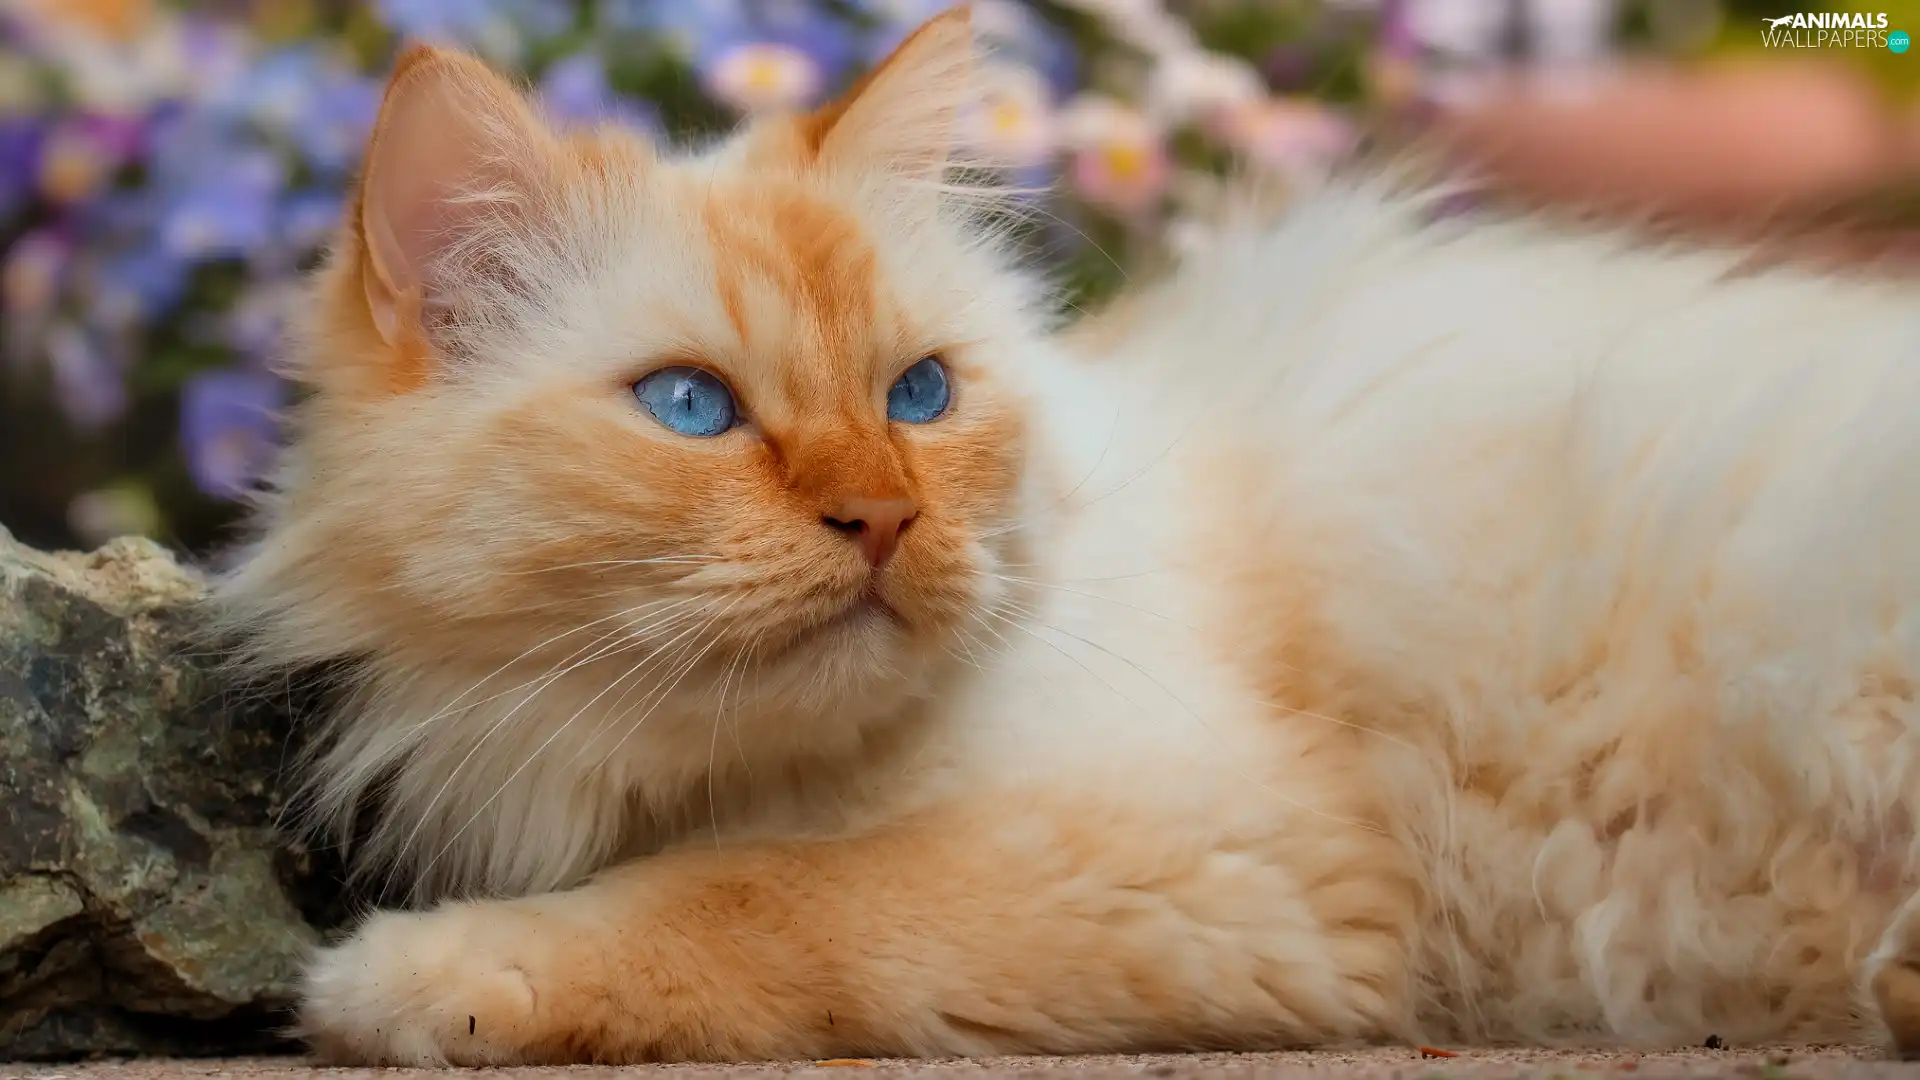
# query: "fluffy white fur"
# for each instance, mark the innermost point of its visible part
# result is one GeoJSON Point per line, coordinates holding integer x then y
{"type": "Point", "coordinates": [1621, 557]}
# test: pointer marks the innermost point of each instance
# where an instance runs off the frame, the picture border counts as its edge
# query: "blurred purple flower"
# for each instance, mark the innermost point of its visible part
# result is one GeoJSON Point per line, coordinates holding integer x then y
{"type": "Point", "coordinates": [1030, 183]}
{"type": "Point", "coordinates": [214, 52]}
{"type": "Point", "coordinates": [781, 55]}
{"type": "Point", "coordinates": [20, 138]}
{"type": "Point", "coordinates": [275, 90]}
{"type": "Point", "coordinates": [542, 18]}
{"type": "Point", "coordinates": [228, 424]}
{"type": "Point", "coordinates": [136, 288]}
{"type": "Point", "coordinates": [35, 267]}
{"type": "Point", "coordinates": [256, 324]}
{"type": "Point", "coordinates": [629, 14]}
{"type": "Point", "coordinates": [1396, 38]}
{"type": "Point", "coordinates": [1011, 31]}
{"type": "Point", "coordinates": [223, 218]}
{"type": "Point", "coordinates": [335, 126]}
{"type": "Point", "coordinates": [87, 382]}
{"type": "Point", "coordinates": [81, 153]}
{"type": "Point", "coordinates": [190, 145]}
{"type": "Point", "coordinates": [438, 20]}
{"type": "Point", "coordinates": [495, 26]}
{"type": "Point", "coordinates": [685, 25]}
{"type": "Point", "coordinates": [221, 206]}
{"type": "Point", "coordinates": [306, 95]}
{"type": "Point", "coordinates": [576, 91]}
{"type": "Point", "coordinates": [308, 218]}
{"type": "Point", "coordinates": [118, 217]}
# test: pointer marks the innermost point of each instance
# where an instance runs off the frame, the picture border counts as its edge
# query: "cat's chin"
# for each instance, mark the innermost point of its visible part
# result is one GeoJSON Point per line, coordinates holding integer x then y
{"type": "Point", "coordinates": [868, 624]}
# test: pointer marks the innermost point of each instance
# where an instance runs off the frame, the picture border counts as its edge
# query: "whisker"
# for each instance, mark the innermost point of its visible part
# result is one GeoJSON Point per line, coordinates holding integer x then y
{"type": "Point", "coordinates": [531, 758]}
{"type": "Point", "coordinates": [665, 560]}
{"type": "Point", "coordinates": [1096, 596]}
{"type": "Point", "coordinates": [626, 639]}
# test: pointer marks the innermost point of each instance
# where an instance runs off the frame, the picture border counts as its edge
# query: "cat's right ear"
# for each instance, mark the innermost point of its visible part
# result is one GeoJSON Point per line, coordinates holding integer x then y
{"type": "Point", "coordinates": [456, 149]}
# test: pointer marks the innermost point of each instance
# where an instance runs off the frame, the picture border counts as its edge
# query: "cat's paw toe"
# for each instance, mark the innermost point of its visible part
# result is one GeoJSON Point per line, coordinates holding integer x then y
{"type": "Point", "coordinates": [1893, 978]}
{"type": "Point", "coordinates": [1896, 989]}
{"type": "Point", "coordinates": [419, 989]}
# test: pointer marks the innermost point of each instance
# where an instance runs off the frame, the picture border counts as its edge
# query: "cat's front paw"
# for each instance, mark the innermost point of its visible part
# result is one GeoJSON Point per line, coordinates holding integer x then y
{"type": "Point", "coordinates": [423, 989]}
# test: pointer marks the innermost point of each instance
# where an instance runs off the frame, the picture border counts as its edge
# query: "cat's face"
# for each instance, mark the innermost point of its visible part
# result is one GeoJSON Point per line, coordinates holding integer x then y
{"type": "Point", "coordinates": [576, 401]}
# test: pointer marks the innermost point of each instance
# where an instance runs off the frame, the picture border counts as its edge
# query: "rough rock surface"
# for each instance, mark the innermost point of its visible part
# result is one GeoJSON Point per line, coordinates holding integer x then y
{"type": "Point", "coordinates": [145, 906]}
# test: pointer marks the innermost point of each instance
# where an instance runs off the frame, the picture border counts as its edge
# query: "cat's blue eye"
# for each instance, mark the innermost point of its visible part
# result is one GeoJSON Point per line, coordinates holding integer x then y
{"type": "Point", "coordinates": [688, 400]}
{"type": "Point", "coordinates": [920, 394]}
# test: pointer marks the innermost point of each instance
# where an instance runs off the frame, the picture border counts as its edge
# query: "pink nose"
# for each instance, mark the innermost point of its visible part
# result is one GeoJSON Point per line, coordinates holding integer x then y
{"type": "Point", "coordinates": [874, 524]}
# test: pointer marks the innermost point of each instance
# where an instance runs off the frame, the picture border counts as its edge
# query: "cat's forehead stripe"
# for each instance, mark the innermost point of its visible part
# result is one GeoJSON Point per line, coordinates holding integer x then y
{"type": "Point", "coordinates": [813, 255]}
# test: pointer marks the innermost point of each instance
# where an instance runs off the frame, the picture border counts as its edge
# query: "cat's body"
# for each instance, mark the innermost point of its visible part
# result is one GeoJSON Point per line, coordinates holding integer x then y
{"type": "Point", "coordinates": [1451, 632]}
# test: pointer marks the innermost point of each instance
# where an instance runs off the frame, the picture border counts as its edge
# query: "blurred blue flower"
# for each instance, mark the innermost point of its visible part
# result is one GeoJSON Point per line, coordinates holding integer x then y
{"type": "Point", "coordinates": [20, 138]}
{"type": "Point", "coordinates": [213, 52]}
{"type": "Point", "coordinates": [228, 423]}
{"type": "Point", "coordinates": [275, 91]}
{"type": "Point", "coordinates": [683, 24]}
{"type": "Point", "coordinates": [255, 326]}
{"type": "Point", "coordinates": [334, 128]}
{"type": "Point", "coordinates": [542, 18]}
{"type": "Point", "coordinates": [308, 218]}
{"type": "Point", "coordinates": [576, 90]}
{"type": "Point", "coordinates": [1030, 183]}
{"type": "Point", "coordinates": [439, 20]}
{"type": "Point", "coordinates": [87, 381]}
{"type": "Point", "coordinates": [494, 26]}
{"type": "Point", "coordinates": [188, 144]}
{"type": "Point", "coordinates": [227, 211]}
{"type": "Point", "coordinates": [774, 54]}
{"type": "Point", "coordinates": [118, 218]}
{"type": "Point", "coordinates": [1011, 31]}
{"type": "Point", "coordinates": [135, 288]}
{"type": "Point", "coordinates": [306, 95]}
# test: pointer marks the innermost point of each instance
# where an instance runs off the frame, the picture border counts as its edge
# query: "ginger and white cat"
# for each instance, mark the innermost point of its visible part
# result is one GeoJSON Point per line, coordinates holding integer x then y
{"type": "Point", "coordinates": [793, 649]}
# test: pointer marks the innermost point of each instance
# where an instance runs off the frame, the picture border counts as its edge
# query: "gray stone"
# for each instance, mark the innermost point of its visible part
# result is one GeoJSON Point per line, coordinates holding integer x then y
{"type": "Point", "coordinates": [147, 902]}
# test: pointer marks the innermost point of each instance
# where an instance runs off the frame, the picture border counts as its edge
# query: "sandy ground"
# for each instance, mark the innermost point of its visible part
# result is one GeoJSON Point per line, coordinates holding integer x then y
{"type": "Point", "coordinates": [1796, 1063]}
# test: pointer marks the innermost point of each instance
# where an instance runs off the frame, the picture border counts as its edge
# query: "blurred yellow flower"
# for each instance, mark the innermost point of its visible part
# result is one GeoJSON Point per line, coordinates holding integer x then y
{"type": "Point", "coordinates": [764, 77]}
{"type": "Point", "coordinates": [123, 19]}
{"type": "Point", "coordinates": [1013, 125]}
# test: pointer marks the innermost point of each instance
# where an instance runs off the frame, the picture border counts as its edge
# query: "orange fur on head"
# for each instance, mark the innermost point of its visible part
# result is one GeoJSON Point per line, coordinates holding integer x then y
{"type": "Point", "coordinates": [478, 512]}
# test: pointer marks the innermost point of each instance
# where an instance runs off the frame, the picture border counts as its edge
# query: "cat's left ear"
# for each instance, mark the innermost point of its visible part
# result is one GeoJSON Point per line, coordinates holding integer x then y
{"type": "Point", "coordinates": [456, 157]}
{"type": "Point", "coordinates": [903, 116]}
